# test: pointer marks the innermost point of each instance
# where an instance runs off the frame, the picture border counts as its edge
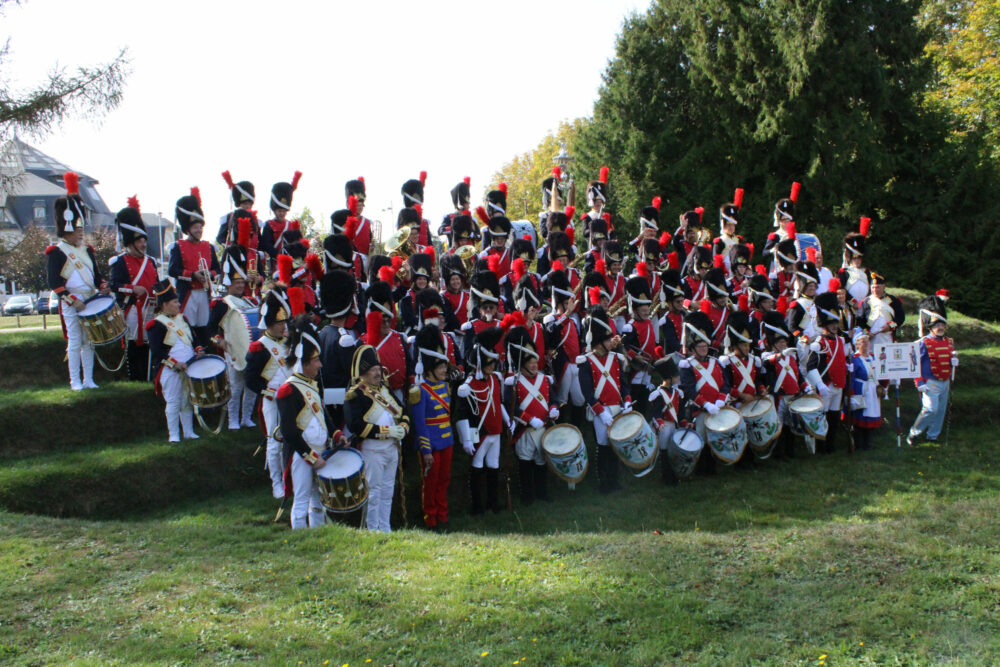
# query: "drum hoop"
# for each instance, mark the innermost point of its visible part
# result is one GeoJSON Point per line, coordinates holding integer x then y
{"type": "Point", "coordinates": [623, 417]}
{"type": "Point", "coordinates": [555, 427]}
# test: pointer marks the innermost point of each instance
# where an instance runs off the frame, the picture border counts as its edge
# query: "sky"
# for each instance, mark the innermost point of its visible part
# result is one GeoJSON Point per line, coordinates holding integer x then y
{"type": "Point", "coordinates": [333, 89]}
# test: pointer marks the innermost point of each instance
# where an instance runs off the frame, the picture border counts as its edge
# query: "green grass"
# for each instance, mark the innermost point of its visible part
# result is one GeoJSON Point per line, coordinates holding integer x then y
{"type": "Point", "coordinates": [11, 322]}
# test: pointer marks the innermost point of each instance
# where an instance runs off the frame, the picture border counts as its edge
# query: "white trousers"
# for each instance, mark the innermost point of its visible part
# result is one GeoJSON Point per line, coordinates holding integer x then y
{"type": "Point", "coordinates": [664, 433]}
{"type": "Point", "coordinates": [241, 399]}
{"type": "Point", "coordinates": [273, 458]}
{"type": "Point", "coordinates": [568, 387]}
{"type": "Point", "coordinates": [178, 408]}
{"type": "Point", "coordinates": [196, 308]}
{"type": "Point", "coordinates": [831, 402]}
{"type": "Point", "coordinates": [381, 461]}
{"type": "Point", "coordinates": [307, 509]}
{"type": "Point", "coordinates": [600, 430]}
{"type": "Point", "coordinates": [529, 446]}
{"type": "Point", "coordinates": [487, 452]}
{"type": "Point", "coordinates": [78, 350]}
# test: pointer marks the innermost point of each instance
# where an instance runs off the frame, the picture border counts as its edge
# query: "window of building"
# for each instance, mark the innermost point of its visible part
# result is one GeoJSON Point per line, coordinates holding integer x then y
{"type": "Point", "coordinates": [39, 210]}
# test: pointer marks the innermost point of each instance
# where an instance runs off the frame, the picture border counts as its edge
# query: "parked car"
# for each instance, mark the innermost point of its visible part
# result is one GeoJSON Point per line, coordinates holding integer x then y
{"type": "Point", "coordinates": [53, 304]}
{"type": "Point", "coordinates": [21, 304]}
{"type": "Point", "coordinates": [42, 305]}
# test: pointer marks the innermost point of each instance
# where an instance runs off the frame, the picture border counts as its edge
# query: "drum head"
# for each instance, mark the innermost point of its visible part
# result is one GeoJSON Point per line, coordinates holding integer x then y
{"type": "Point", "coordinates": [561, 439]}
{"type": "Point", "coordinates": [626, 426]}
{"type": "Point", "coordinates": [687, 440]}
{"type": "Point", "coordinates": [206, 367]}
{"type": "Point", "coordinates": [806, 404]}
{"type": "Point", "coordinates": [97, 304]}
{"type": "Point", "coordinates": [726, 419]}
{"type": "Point", "coordinates": [756, 408]}
{"type": "Point", "coordinates": [343, 464]}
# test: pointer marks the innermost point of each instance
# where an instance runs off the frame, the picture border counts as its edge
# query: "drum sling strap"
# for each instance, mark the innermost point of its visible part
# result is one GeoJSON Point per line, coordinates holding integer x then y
{"type": "Point", "coordinates": [786, 370]}
{"type": "Point", "coordinates": [668, 401]}
{"type": "Point", "coordinates": [744, 373]}
{"type": "Point", "coordinates": [81, 266]}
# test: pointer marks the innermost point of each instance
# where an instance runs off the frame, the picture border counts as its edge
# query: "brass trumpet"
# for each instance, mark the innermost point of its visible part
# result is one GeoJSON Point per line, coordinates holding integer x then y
{"type": "Point", "coordinates": [468, 255]}
{"type": "Point", "coordinates": [399, 244]}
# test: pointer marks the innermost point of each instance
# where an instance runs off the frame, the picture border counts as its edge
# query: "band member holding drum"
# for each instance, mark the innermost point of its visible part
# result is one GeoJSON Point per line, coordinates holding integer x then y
{"type": "Point", "coordinates": [132, 276]}
{"type": "Point", "coordinates": [602, 382]}
{"type": "Point", "coordinates": [338, 341]}
{"type": "Point", "coordinates": [938, 362]}
{"type": "Point", "coordinates": [266, 372]}
{"type": "Point", "coordinates": [430, 405]}
{"type": "Point", "coordinates": [782, 374]}
{"type": "Point", "coordinates": [664, 411]}
{"type": "Point", "coordinates": [171, 347]}
{"type": "Point", "coordinates": [829, 378]}
{"type": "Point", "coordinates": [272, 234]}
{"type": "Point", "coordinates": [562, 336]}
{"type": "Point", "coordinates": [702, 379]}
{"type": "Point", "coordinates": [640, 337]}
{"type": "Point", "coordinates": [481, 418]}
{"type": "Point", "coordinates": [193, 265]}
{"type": "Point", "coordinates": [305, 426]}
{"type": "Point", "coordinates": [225, 317]}
{"type": "Point", "coordinates": [526, 395]}
{"type": "Point", "coordinates": [74, 276]}
{"type": "Point", "coordinates": [378, 425]}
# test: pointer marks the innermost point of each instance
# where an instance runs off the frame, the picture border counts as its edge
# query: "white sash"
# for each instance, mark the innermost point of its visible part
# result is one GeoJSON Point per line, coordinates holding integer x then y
{"type": "Point", "coordinates": [79, 264]}
{"type": "Point", "coordinates": [605, 371]}
{"type": "Point", "coordinates": [182, 332]}
{"type": "Point", "coordinates": [533, 390]}
{"type": "Point", "coordinates": [705, 374]}
{"type": "Point", "coordinates": [668, 401]}
{"type": "Point", "coordinates": [744, 373]}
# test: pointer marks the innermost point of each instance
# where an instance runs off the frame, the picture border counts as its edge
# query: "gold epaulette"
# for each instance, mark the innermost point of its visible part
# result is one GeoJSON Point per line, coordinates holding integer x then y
{"type": "Point", "coordinates": [414, 394]}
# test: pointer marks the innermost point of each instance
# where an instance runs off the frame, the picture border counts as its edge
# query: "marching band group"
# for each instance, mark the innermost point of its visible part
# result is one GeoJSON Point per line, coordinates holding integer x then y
{"type": "Point", "coordinates": [487, 337]}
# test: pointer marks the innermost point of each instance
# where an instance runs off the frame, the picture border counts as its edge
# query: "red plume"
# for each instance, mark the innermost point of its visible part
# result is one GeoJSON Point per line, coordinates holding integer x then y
{"type": "Point", "coordinates": [518, 319]}
{"type": "Point", "coordinates": [419, 209]}
{"type": "Point", "coordinates": [601, 267]}
{"type": "Point", "coordinates": [642, 270]}
{"type": "Point", "coordinates": [701, 213]}
{"type": "Point", "coordinates": [834, 285]}
{"type": "Point", "coordinates": [133, 201]}
{"type": "Point", "coordinates": [744, 302]}
{"type": "Point", "coordinates": [243, 234]}
{"type": "Point", "coordinates": [570, 212]}
{"type": "Point", "coordinates": [865, 225]}
{"type": "Point", "coordinates": [352, 204]}
{"type": "Point", "coordinates": [315, 266]}
{"type": "Point", "coordinates": [790, 228]}
{"type": "Point", "coordinates": [502, 187]}
{"type": "Point", "coordinates": [362, 179]}
{"type": "Point", "coordinates": [571, 233]}
{"type": "Point", "coordinates": [494, 263]}
{"type": "Point", "coordinates": [467, 180]}
{"type": "Point", "coordinates": [373, 327]}
{"type": "Point", "coordinates": [228, 178]}
{"type": "Point", "coordinates": [705, 306]}
{"type": "Point", "coordinates": [750, 248]}
{"type": "Point", "coordinates": [387, 274]}
{"type": "Point", "coordinates": [196, 193]}
{"type": "Point", "coordinates": [295, 180]}
{"type": "Point", "coordinates": [718, 261]}
{"type": "Point", "coordinates": [794, 195]}
{"type": "Point", "coordinates": [72, 181]}
{"type": "Point", "coordinates": [657, 201]}
{"type": "Point", "coordinates": [672, 261]}
{"type": "Point", "coordinates": [943, 293]}
{"type": "Point", "coordinates": [760, 270]}
{"type": "Point", "coordinates": [594, 293]}
{"type": "Point", "coordinates": [557, 172]}
{"type": "Point", "coordinates": [285, 269]}
{"type": "Point", "coordinates": [558, 266]}
{"type": "Point", "coordinates": [604, 175]}
{"type": "Point", "coordinates": [293, 226]}
{"type": "Point", "coordinates": [429, 250]}
{"type": "Point", "coordinates": [811, 255]}
{"type": "Point", "coordinates": [397, 264]}
{"type": "Point", "coordinates": [526, 237]}
{"type": "Point", "coordinates": [518, 268]}
{"type": "Point", "coordinates": [351, 227]}
{"type": "Point", "coordinates": [515, 319]}
{"type": "Point", "coordinates": [782, 305]}
{"type": "Point", "coordinates": [738, 198]}
{"type": "Point", "coordinates": [665, 239]}
{"type": "Point", "coordinates": [481, 214]}
{"type": "Point", "coordinates": [296, 300]}
{"type": "Point", "coordinates": [423, 178]}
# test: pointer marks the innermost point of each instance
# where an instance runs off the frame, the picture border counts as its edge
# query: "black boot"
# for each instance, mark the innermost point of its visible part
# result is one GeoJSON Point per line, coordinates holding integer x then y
{"type": "Point", "coordinates": [669, 478]}
{"type": "Point", "coordinates": [476, 487]}
{"type": "Point", "coordinates": [613, 469]}
{"type": "Point", "coordinates": [542, 483]}
{"type": "Point", "coordinates": [832, 425]}
{"type": "Point", "coordinates": [492, 484]}
{"type": "Point", "coordinates": [788, 440]}
{"type": "Point", "coordinates": [525, 472]}
{"type": "Point", "coordinates": [607, 469]}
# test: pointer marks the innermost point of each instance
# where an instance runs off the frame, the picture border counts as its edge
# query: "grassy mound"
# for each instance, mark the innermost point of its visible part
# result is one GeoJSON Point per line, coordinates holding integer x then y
{"type": "Point", "coordinates": [37, 359]}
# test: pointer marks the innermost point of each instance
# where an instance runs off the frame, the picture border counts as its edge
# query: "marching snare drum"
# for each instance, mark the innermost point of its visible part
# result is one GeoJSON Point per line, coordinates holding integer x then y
{"type": "Point", "coordinates": [683, 451]}
{"type": "Point", "coordinates": [565, 452]}
{"type": "Point", "coordinates": [763, 427]}
{"type": "Point", "coordinates": [342, 483]}
{"type": "Point", "coordinates": [634, 442]}
{"type": "Point", "coordinates": [102, 320]}
{"type": "Point", "coordinates": [208, 384]}
{"type": "Point", "coordinates": [726, 434]}
{"type": "Point", "coordinates": [807, 417]}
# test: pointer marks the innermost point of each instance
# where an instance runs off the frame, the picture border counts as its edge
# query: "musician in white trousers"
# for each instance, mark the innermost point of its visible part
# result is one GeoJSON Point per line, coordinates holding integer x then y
{"type": "Point", "coordinates": [73, 275]}
{"type": "Point", "coordinates": [171, 347]}
{"type": "Point", "coordinates": [377, 424]}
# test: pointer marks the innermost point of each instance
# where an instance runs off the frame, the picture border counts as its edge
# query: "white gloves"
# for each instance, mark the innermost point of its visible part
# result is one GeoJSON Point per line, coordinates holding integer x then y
{"type": "Point", "coordinates": [464, 390]}
{"type": "Point", "coordinates": [554, 413]}
{"type": "Point", "coordinates": [954, 361]}
{"type": "Point", "coordinates": [823, 389]}
{"type": "Point", "coordinates": [396, 432]}
{"type": "Point", "coordinates": [720, 404]}
{"type": "Point", "coordinates": [536, 423]}
{"type": "Point", "coordinates": [469, 449]}
{"type": "Point", "coordinates": [712, 408]}
{"type": "Point", "coordinates": [790, 352]}
{"type": "Point", "coordinates": [923, 389]}
{"type": "Point", "coordinates": [605, 417]}
{"type": "Point", "coordinates": [627, 407]}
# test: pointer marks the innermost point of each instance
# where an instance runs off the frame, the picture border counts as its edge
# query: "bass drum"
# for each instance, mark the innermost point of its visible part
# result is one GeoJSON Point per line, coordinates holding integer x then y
{"type": "Point", "coordinates": [242, 328]}
{"type": "Point", "coordinates": [763, 427]}
{"type": "Point", "coordinates": [726, 435]}
{"type": "Point", "coordinates": [634, 442]}
{"type": "Point", "coordinates": [683, 451]}
{"type": "Point", "coordinates": [565, 453]}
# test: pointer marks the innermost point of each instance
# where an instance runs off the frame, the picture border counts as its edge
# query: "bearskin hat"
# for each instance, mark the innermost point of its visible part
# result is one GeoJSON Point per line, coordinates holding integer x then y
{"type": "Point", "coordinates": [337, 290]}
{"type": "Point", "coordinates": [931, 309]}
{"type": "Point", "coordinates": [485, 288]}
{"type": "Point", "coordinates": [596, 327]}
